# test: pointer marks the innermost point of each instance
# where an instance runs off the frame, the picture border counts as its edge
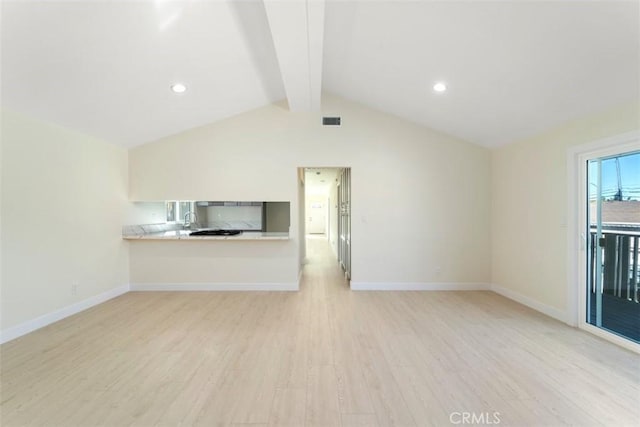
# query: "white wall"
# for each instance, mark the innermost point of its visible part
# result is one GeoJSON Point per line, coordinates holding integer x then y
{"type": "Point", "coordinates": [64, 199]}
{"type": "Point", "coordinates": [420, 206]}
{"type": "Point", "coordinates": [146, 213]}
{"type": "Point", "coordinates": [529, 209]}
{"type": "Point", "coordinates": [212, 262]}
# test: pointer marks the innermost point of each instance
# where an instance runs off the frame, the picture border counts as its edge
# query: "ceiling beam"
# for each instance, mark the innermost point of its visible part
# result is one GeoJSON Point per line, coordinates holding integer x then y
{"type": "Point", "coordinates": [297, 29]}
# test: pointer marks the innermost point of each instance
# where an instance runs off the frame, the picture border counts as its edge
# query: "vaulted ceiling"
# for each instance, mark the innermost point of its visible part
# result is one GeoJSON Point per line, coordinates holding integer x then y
{"type": "Point", "coordinates": [512, 69]}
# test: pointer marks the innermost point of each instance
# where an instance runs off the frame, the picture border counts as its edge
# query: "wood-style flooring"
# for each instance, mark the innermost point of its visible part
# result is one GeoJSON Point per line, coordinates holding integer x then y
{"type": "Point", "coordinates": [324, 356]}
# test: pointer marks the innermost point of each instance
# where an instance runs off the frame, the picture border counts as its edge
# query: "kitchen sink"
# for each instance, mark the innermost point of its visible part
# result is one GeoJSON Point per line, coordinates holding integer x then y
{"type": "Point", "coordinates": [215, 233]}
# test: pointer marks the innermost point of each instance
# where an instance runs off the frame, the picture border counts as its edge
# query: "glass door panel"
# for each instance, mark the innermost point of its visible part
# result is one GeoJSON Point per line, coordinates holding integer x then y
{"type": "Point", "coordinates": [613, 218]}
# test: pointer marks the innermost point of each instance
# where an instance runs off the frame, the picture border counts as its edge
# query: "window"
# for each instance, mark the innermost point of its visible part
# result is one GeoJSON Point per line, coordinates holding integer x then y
{"type": "Point", "coordinates": [176, 210]}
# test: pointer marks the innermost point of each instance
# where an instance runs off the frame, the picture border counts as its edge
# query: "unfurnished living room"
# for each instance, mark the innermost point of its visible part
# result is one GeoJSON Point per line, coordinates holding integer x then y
{"type": "Point", "coordinates": [320, 213]}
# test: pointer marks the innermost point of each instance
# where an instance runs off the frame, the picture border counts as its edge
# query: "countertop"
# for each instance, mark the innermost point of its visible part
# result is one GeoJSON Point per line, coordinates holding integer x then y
{"type": "Point", "coordinates": [184, 235]}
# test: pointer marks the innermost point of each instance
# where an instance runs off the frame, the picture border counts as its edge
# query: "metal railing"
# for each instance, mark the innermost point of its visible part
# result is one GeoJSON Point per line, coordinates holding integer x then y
{"type": "Point", "coordinates": [620, 266]}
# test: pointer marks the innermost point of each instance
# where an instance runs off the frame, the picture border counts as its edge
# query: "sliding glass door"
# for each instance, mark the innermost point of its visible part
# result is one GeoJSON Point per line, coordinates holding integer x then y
{"type": "Point", "coordinates": [613, 230]}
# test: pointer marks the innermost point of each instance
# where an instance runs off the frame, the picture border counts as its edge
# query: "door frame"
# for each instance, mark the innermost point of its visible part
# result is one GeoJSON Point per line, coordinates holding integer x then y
{"type": "Point", "coordinates": [576, 225]}
{"type": "Point", "coordinates": [302, 201]}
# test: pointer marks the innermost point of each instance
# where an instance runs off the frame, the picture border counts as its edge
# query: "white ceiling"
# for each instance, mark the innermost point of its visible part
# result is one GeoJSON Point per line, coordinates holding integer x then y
{"type": "Point", "coordinates": [319, 180]}
{"type": "Point", "coordinates": [513, 68]}
{"type": "Point", "coordinates": [105, 68]}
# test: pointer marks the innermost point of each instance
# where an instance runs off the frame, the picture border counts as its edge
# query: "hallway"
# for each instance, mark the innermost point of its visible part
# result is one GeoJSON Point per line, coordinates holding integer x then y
{"type": "Point", "coordinates": [321, 264]}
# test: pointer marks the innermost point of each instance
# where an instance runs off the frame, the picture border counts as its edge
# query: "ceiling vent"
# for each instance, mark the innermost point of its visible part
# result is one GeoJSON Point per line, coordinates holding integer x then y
{"type": "Point", "coordinates": [331, 121]}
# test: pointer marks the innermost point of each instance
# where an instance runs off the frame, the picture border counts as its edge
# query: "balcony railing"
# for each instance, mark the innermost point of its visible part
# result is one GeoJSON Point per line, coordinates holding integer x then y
{"type": "Point", "coordinates": [617, 307]}
{"type": "Point", "coordinates": [620, 261]}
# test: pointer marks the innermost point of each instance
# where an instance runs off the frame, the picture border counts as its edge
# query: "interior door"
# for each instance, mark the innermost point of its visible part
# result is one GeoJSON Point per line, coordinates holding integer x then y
{"type": "Point", "coordinates": [317, 216]}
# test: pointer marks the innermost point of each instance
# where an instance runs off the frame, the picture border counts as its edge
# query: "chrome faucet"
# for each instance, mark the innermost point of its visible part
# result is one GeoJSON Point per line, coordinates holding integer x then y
{"type": "Point", "coordinates": [188, 224]}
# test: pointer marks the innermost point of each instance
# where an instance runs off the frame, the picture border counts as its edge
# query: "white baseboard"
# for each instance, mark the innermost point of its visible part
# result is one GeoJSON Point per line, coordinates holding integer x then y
{"type": "Point", "coordinates": [508, 293]}
{"type": "Point", "coordinates": [42, 321]}
{"type": "Point", "coordinates": [214, 286]}
{"type": "Point", "coordinates": [418, 286]}
{"type": "Point", "coordinates": [531, 303]}
{"type": "Point", "coordinates": [47, 319]}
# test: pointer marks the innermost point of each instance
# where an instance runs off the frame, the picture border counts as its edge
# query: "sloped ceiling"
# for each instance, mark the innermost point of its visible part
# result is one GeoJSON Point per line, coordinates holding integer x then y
{"type": "Point", "coordinates": [512, 69]}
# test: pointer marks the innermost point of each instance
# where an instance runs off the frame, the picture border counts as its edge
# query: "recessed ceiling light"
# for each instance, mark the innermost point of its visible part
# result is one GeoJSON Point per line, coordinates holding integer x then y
{"type": "Point", "coordinates": [178, 87]}
{"type": "Point", "coordinates": [439, 87]}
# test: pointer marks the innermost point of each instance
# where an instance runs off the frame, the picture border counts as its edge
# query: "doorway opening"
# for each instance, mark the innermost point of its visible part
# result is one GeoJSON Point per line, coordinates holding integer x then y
{"type": "Point", "coordinates": [326, 211]}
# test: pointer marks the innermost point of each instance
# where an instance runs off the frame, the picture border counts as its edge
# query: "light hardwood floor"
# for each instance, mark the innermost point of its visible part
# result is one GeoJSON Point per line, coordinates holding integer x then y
{"type": "Point", "coordinates": [324, 356]}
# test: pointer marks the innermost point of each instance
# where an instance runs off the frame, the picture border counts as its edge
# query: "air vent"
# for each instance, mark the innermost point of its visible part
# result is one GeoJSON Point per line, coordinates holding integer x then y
{"type": "Point", "coordinates": [331, 121]}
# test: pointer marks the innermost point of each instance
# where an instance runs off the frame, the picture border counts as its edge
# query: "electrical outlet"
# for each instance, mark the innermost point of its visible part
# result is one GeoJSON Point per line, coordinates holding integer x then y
{"type": "Point", "coordinates": [437, 271]}
{"type": "Point", "coordinates": [74, 289]}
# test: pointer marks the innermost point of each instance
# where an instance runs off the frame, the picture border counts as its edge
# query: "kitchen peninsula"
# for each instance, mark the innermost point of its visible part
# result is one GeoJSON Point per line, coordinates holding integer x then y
{"type": "Point", "coordinates": [192, 220]}
{"type": "Point", "coordinates": [185, 235]}
{"type": "Point", "coordinates": [255, 252]}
